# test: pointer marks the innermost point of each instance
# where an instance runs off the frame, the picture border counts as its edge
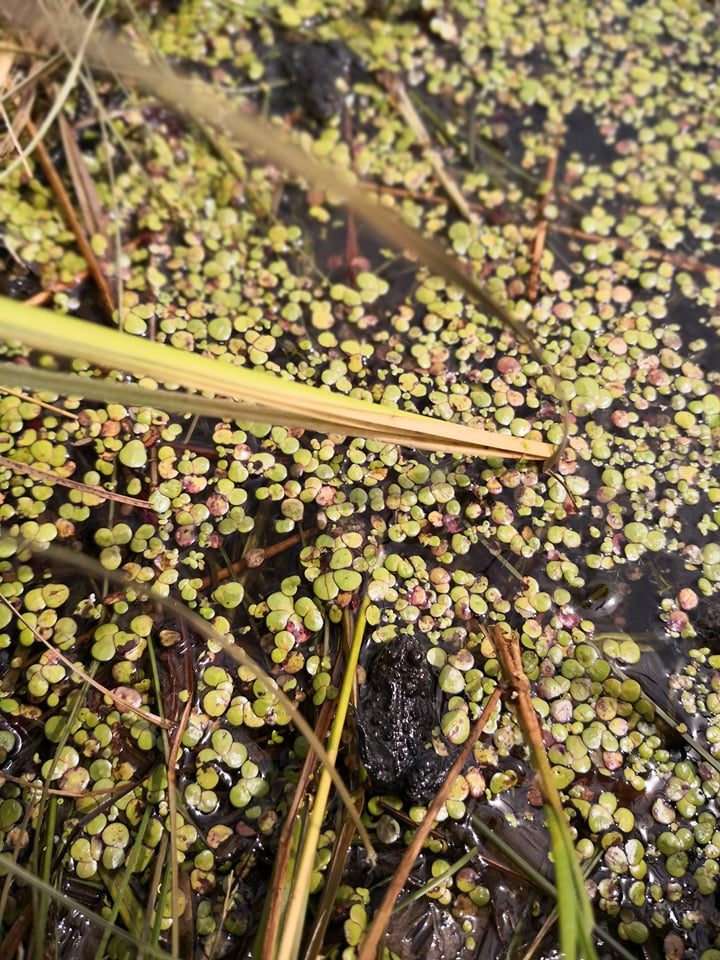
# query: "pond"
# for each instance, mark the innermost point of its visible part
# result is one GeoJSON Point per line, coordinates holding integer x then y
{"type": "Point", "coordinates": [568, 156]}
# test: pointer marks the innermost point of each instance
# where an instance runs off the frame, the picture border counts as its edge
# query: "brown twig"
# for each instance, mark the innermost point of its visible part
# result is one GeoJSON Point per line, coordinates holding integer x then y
{"type": "Point", "coordinates": [42, 296]}
{"type": "Point", "coordinates": [542, 228]}
{"type": "Point", "coordinates": [48, 477]}
{"type": "Point", "coordinates": [406, 109]}
{"type": "Point", "coordinates": [10, 946]}
{"type": "Point", "coordinates": [376, 930]}
{"type": "Point", "coordinates": [68, 212]}
{"type": "Point", "coordinates": [119, 702]}
{"type": "Point", "coordinates": [267, 552]}
{"type": "Point", "coordinates": [540, 936]}
{"type": "Point", "coordinates": [492, 861]}
{"type": "Point", "coordinates": [507, 646]}
{"type": "Point", "coordinates": [691, 264]}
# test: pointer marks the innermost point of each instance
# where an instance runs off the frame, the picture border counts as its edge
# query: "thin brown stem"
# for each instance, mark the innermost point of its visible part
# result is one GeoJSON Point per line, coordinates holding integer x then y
{"type": "Point", "coordinates": [380, 921]}
{"type": "Point", "coordinates": [68, 212]}
{"type": "Point", "coordinates": [507, 646]}
{"type": "Point", "coordinates": [542, 228]}
{"type": "Point", "coordinates": [691, 264]}
{"type": "Point", "coordinates": [267, 552]}
{"type": "Point", "coordinates": [406, 109]}
{"type": "Point", "coordinates": [46, 476]}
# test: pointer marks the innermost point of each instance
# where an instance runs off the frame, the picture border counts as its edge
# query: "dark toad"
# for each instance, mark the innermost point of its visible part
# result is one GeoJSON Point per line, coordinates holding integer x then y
{"type": "Point", "coordinates": [320, 74]}
{"type": "Point", "coordinates": [397, 713]}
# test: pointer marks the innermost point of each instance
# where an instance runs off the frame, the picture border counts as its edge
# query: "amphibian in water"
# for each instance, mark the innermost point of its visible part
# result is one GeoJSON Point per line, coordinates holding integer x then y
{"type": "Point", "coordinates": [397, 712]}
{"type": "Point", "coordinates": [320, 73]}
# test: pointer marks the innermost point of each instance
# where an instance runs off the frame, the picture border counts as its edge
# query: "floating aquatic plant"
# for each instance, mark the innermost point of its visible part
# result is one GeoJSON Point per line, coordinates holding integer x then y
{"type": "Point", "coordinates": [567, 163]}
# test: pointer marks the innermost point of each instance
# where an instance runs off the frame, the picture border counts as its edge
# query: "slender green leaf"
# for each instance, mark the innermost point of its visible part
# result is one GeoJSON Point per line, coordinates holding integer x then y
{"type": "Point", "coordinates": [74, 907]}
{"type": "Point", "coordinates": [123, 901]}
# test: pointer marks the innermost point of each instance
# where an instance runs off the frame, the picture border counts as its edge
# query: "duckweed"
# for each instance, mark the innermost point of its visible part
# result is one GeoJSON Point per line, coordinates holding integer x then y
{"type": "Point", "coordinates": [274, 534]}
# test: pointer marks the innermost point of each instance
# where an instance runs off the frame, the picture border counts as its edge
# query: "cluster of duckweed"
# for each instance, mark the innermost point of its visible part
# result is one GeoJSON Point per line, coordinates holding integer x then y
{"type": "Point", "coordinates": [440, 545]}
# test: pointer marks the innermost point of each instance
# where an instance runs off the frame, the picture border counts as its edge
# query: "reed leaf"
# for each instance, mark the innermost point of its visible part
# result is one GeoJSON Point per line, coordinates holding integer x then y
{"type": "Point", "coordinates": [258, 395]}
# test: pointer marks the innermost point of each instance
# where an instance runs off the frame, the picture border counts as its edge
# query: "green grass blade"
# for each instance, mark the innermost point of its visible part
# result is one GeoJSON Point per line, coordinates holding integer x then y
{"type": "Point", "coordinates": [72, 906]}
{"type": "Point", "coordinates": [162, 898]}
{"type": "Point", "coordinates": [293, 921]}
{"type": "Point", "coordinates": [40, 919]}
{"type": "Point", "coordinates": [542, 883]}
{"type": "Point", "coordinates": [568, 919]}
{"type": "Point", "coordinates": [123, 902]}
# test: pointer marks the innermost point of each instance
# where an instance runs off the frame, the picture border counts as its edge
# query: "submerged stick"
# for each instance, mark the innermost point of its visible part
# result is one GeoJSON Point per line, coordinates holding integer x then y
{"type": "Point", "coordinates": [377, 928]}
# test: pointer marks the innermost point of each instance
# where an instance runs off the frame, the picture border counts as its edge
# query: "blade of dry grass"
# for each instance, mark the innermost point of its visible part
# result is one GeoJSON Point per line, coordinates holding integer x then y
{"type": "Point", "coordinates": [41, 403]}
{"type": "Point", "coordinates": [326, 905]}
{"type": "Point", "coordinates": [406, 109]}
{"type": "Point", "coordinates": [94, 219]}
{"type": "Point", "coordinates": [15, 127]}
{"type": "Point", "coordinates": [129, 394]}
{"type": "Point", "coordinates": [46, 476]}
{"type": "Point", "coordinates": [267, 395]}
{"type": "Point", "coordinates": [85, 30]}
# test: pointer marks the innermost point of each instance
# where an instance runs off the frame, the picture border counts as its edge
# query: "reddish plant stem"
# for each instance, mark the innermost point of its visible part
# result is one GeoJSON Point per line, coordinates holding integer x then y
{"type": "Point", "coordinates": [68, 212]}
{"type": "Point", "coordinates": [542, 228]}
{"type": "Point", "coordinates": [240, 565]}
{"type": "Point", "coordinates": [377, 929]}
{"type": "Point", "coordinates": [691, 264]}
